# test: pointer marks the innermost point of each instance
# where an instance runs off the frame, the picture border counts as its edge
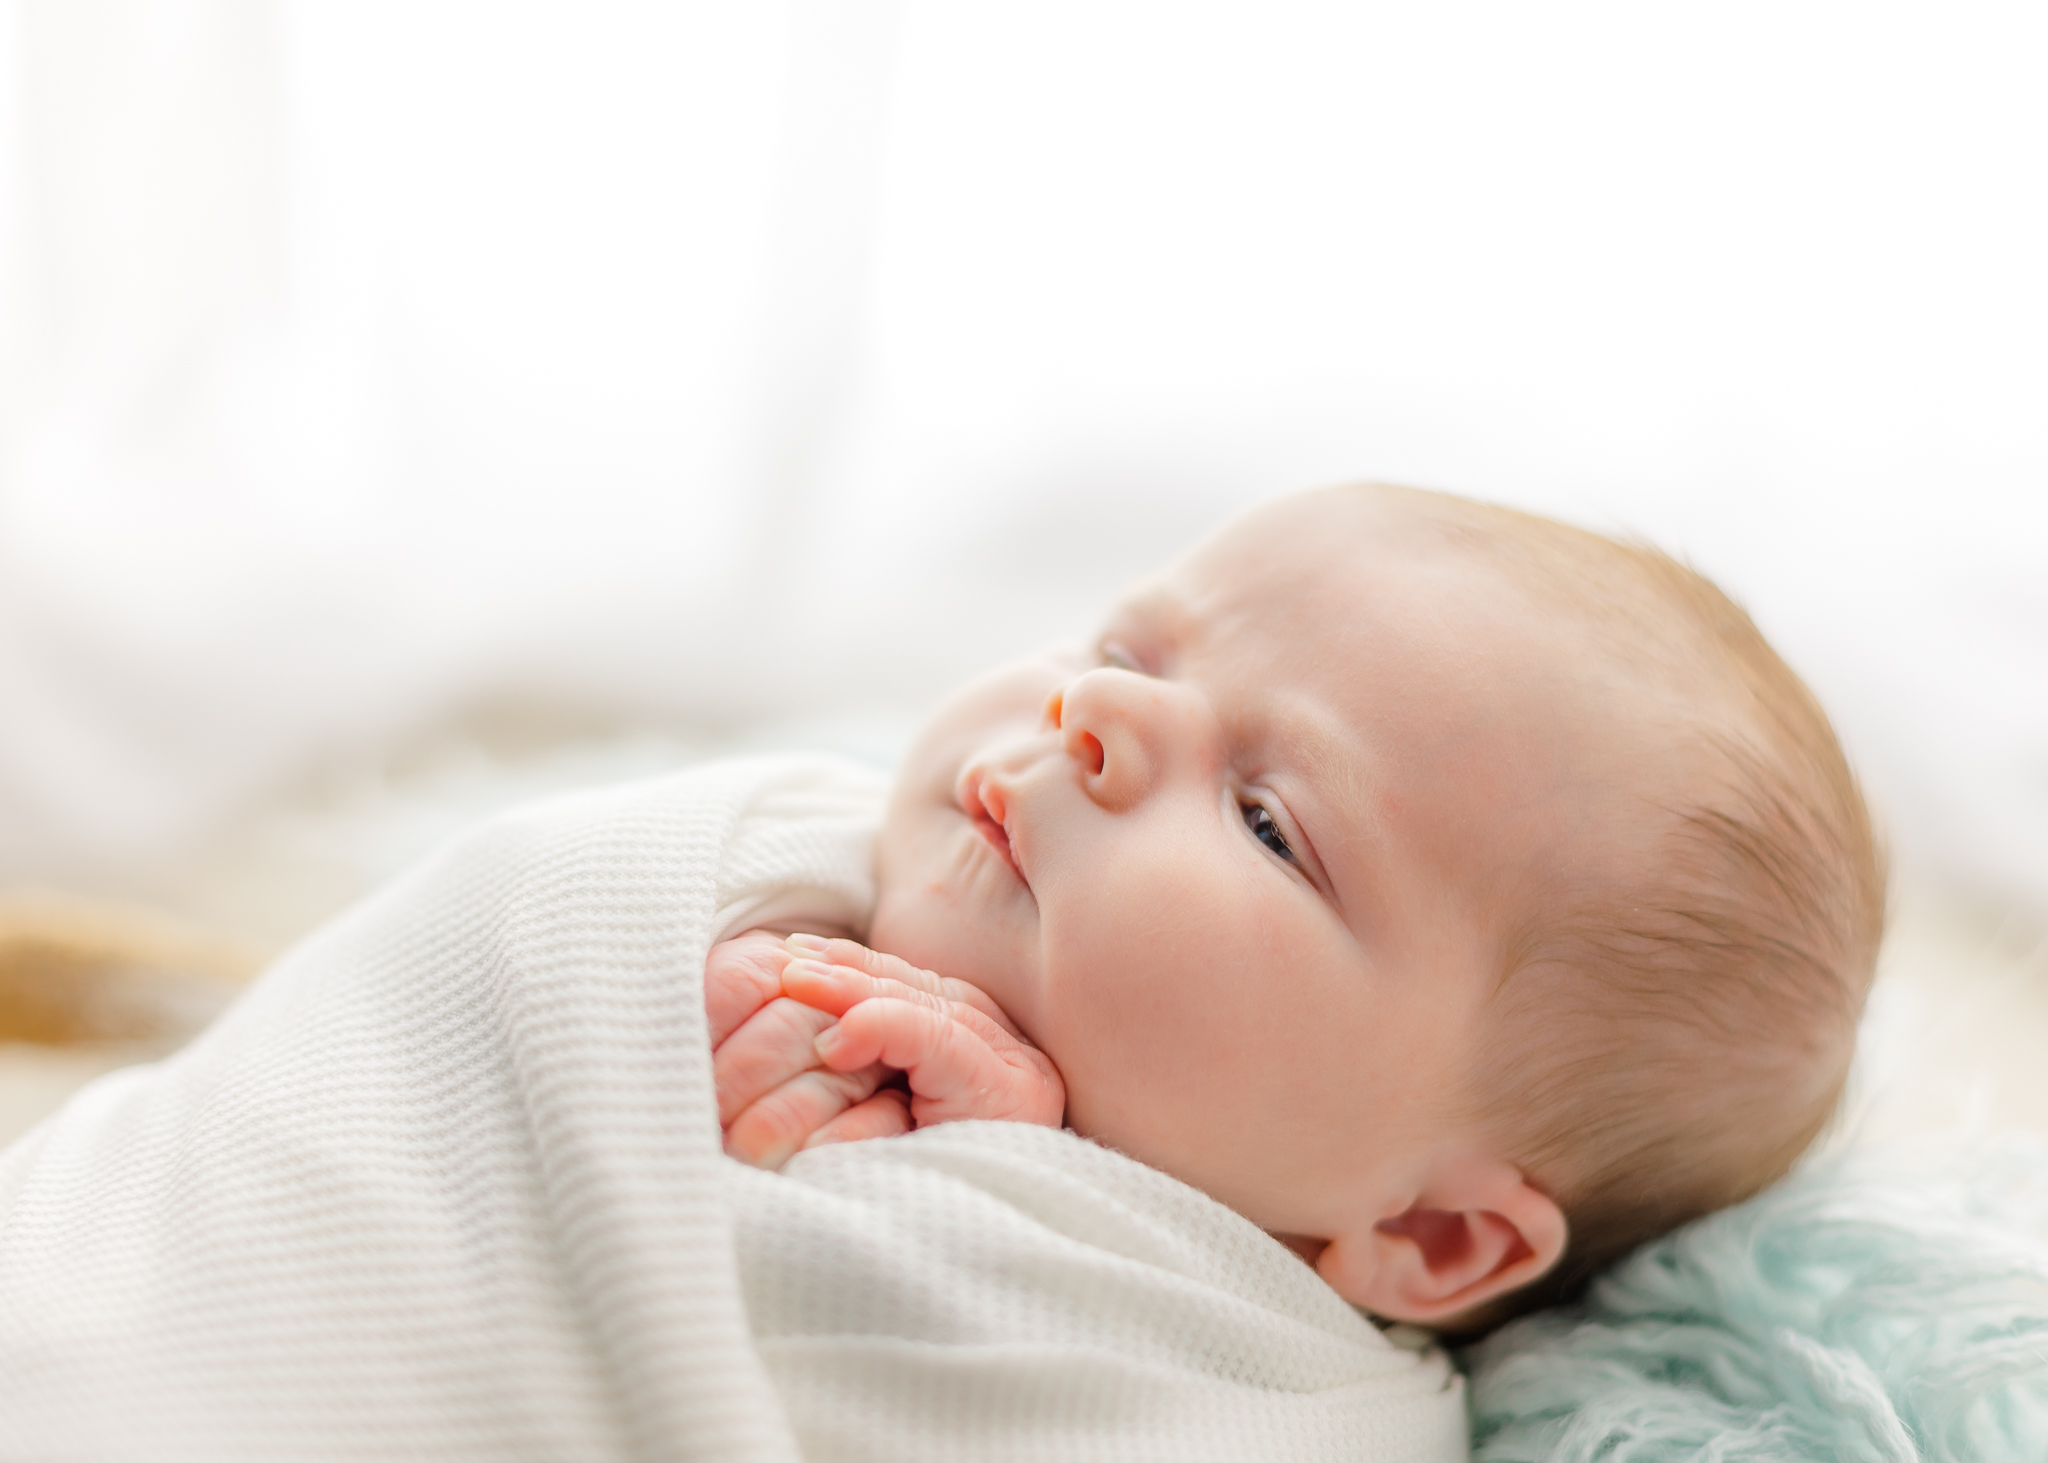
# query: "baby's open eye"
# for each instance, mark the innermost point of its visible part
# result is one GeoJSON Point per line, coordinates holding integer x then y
{"type": "Point", "coordinates": [1266, 830]}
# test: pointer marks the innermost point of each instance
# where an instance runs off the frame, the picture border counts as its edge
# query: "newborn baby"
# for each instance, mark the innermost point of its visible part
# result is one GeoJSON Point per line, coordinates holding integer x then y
{"type": "Point", "coordinates": [1461, 897]}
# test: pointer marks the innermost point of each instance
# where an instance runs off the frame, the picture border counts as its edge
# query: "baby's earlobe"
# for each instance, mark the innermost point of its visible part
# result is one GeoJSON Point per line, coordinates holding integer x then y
{"type": "Point", "coordinates": [1350, 1270]}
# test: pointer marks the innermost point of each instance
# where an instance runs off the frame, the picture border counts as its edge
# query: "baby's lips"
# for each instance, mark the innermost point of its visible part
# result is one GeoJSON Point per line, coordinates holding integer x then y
{"type": "Point", "coordinates": [995, 804]}
{"type": "Point", "coordinates": [980, 794]}
{"type": "Point", "coordinates": [986, 802]}
{"type": "Point", "coordinates": [967, 790]}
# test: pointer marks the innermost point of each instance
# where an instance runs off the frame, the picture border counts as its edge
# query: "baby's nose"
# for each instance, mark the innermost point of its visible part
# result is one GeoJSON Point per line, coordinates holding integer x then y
{"type": "Point", "coordinates": [1084, 746]}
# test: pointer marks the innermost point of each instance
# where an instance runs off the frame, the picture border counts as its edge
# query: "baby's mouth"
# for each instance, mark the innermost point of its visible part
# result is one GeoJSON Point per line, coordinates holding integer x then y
{"type": "Point", "coordinates": [993, 831]}
{"type": "Point", "coordinates": [986, 807]}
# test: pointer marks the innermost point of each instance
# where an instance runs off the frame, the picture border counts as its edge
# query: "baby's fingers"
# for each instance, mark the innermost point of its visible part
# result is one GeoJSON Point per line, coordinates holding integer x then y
{"type": "Point", "coordinates": [936, 1052]}
{"type": "Point", "coordinates": [898, 976]}
{"type": "Point", "coordinates": [740, 977]}
{"type": "Point", "coordinates": [800, 1109]}
{"type": "Point", "coordinates": [770, 1048]}
{"type": "Point", "coordinates": [836, 989]}
{"type": "Point", "coordinates": [960, 1064]}
{"type": "Point", "coordinates": [884, 1115]}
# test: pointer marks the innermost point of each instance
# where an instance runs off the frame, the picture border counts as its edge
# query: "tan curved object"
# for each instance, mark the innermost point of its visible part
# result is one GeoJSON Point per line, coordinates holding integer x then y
{"type": "Point", "coordinates": [87, 986]}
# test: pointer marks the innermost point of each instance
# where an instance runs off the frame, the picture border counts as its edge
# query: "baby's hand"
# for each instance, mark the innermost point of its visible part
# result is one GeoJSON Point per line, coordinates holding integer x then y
{"type": "Point", "coordinates": [961, 1054]}
{"type": "Point", "coordinates": [810, 1036]}
{"type": "Point", "coordinates": [774, 1095]}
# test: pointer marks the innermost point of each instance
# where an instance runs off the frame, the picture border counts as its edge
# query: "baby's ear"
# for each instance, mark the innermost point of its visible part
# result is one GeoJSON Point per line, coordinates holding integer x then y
{"type": "Point", "coordinates": [1476, 1232]}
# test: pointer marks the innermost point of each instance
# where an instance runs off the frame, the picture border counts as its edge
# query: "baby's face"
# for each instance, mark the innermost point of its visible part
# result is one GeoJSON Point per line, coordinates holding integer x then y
{"type": "Point", "coordinates": [1243, 868]}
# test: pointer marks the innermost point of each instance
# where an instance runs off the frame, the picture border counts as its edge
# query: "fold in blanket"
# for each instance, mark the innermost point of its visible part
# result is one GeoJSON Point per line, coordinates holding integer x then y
{"type": "Point", "coordinates": [447, 1183]}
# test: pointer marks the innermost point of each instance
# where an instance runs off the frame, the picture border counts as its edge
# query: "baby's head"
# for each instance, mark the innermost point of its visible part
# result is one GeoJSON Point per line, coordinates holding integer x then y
{"type": "Point", "coordinates": [1463, 896]}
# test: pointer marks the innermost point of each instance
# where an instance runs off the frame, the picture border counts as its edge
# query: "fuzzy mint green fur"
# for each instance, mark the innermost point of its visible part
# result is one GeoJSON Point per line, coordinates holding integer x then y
{"type": "Point", "coordinates": [1887, 1305]}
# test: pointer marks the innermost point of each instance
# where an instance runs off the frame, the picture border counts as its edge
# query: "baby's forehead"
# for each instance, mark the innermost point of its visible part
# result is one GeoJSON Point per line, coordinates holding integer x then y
{"type": "Point", "coordinates": [1392, 614]}
{"type": "Point", "coordinates": [1331, 569]}
{"type": "Point", "coordinates": [1334, 576]}
{"type": "Point", "coordinates": [1362, 617]}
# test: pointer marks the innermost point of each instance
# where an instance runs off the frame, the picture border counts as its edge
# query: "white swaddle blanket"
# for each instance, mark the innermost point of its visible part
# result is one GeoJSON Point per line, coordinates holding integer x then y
{"type": "Point", "coordinates": [447, 1184]}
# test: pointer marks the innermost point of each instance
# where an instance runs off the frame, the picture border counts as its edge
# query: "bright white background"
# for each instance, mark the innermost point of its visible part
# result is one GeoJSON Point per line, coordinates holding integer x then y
{"type": "Point", "coordinates": [372, 368]}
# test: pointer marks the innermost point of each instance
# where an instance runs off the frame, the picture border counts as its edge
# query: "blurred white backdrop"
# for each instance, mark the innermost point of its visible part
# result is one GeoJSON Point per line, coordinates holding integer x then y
{"type": "Point", "coordinates": [368, 367]}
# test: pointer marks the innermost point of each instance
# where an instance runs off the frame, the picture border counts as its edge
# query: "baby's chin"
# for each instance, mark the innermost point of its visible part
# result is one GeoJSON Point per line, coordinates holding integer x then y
{"type": "Point", "coordinates": [930, 932]}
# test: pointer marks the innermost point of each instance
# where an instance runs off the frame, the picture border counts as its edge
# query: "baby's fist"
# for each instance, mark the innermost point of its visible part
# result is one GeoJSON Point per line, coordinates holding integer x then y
{"type": "Point", "coordinates": [774, 1094]}
{"type": "Point", "coordinates": [963, 1057]}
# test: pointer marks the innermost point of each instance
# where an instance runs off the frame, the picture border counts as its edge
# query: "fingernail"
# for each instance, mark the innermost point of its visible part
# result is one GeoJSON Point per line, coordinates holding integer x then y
{"type": "Point", "coordinates": [804, 968]}
{"type": "Point", "coordinates": [812, 943]}
{"type": "Point", "coordinates": [827, 1042]}
{"type": "Point", "coordinates": [770, 1158]}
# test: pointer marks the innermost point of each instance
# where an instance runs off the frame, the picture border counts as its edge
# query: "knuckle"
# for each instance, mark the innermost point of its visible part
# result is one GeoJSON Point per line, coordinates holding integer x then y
{"type": "Point", "coordinates": [957, 1043]}
{"type": "Point", "coordinates": [794, 1020]}
{"type": "Point", "coordinates": [769, 1047]}
{"type": "Point", "coordinates": [844, 1089]}
{"type": "Point", "coordinates": [780, 1118]}
{"type": "Point", "coordinates": [915, 996]}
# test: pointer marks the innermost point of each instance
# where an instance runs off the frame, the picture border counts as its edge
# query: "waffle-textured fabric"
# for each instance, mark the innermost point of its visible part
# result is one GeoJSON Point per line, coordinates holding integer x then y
{"type": "Point", "coordinates": [446, 1184]}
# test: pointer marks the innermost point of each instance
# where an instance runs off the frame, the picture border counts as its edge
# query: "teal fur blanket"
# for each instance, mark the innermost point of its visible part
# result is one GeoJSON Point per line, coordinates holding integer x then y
{"type": "Point", "coordinates": [1889, 1305]}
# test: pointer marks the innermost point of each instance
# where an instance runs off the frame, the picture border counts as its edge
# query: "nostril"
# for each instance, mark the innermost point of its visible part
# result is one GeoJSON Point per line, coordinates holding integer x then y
{"type": "Point", "coordinates": [1091, 752]}
{"type": "Point", "coordinates": [993, 804]}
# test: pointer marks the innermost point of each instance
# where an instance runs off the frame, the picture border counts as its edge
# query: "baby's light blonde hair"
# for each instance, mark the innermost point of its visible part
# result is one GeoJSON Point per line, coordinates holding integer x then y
{"type": "Point", "coordinates": [1668, 1044]}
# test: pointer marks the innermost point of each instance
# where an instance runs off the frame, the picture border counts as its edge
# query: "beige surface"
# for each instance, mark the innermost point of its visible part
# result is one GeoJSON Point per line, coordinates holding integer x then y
{"type": "Point", "coordinates": [1956, 1036]}
{"type": "Point", "coordinates": [90, 985]}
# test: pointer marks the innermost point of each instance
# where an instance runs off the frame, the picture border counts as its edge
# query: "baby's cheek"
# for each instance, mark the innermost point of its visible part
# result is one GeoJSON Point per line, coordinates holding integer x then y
{"type": "Point", "coordinates": [1194, 1019]}
{"type": "Point", "coordinates": [1157, 992]}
